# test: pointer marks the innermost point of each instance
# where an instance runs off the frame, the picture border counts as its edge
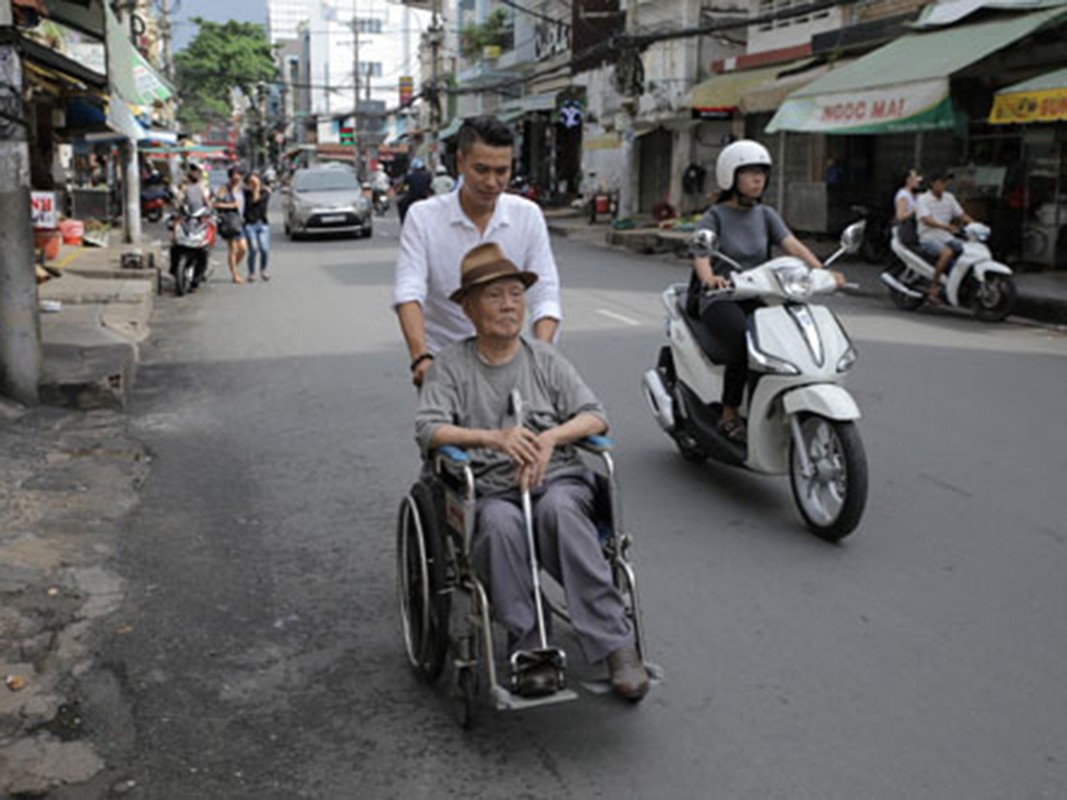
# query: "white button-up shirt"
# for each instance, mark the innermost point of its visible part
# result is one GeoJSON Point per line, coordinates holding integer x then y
{"type": "Point", "coordinates": [435, 237]}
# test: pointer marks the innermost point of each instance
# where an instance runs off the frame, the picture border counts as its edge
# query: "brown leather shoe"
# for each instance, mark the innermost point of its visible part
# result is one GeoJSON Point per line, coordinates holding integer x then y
{"type": "Point", "coordinates": [629, 678]}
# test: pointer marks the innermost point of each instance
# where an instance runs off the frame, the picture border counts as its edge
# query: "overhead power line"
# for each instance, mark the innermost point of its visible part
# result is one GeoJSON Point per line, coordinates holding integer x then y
{"type": "Point", "coordinates": [642, 41]}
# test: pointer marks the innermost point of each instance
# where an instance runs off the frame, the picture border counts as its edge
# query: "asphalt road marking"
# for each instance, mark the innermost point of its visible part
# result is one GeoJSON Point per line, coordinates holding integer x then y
{"type": "Point", "coordinates": [619, 317]}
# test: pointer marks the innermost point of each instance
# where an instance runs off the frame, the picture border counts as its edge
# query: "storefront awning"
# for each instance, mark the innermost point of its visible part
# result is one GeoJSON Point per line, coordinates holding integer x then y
{"type": "Point", "coordinates": [719, 96]}
{"type": "Point", "coordinates": [903, 86]}
{"type": "Point", "coordinates": [1040, 99]}
{"type": "Point", "coordinates": [122, 120]}
{"type": "Point", "coordinates": [770, 95]}
{"type": "Point", "coordinates": [129, 74]}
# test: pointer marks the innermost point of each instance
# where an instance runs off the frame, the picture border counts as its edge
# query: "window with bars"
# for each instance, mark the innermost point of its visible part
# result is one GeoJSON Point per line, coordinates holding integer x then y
{"type": "Point", "coordinates": [766, 8]}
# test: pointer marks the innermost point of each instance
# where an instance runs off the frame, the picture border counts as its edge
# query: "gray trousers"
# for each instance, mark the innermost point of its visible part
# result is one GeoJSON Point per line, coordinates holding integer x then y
{"type": "Point", "coordinates": [569, 551]}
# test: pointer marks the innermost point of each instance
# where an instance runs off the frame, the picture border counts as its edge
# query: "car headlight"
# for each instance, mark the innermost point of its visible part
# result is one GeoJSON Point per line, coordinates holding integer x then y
{"type": "Point", "coordinates": [363, 204]}
{"type": "Point", "coordinates": [795, 280]}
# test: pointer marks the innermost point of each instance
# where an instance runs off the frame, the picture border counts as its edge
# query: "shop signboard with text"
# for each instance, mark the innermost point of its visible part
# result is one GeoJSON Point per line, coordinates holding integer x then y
{"type": "Point", "coordinates": [43, 210]}
{"type": "Point", "coordinates": [920, 105]}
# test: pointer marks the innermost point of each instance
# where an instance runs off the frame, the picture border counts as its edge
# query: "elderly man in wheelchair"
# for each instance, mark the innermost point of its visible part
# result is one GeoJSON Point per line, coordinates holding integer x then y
{"type": "Point", "coordinates": [517, 408]}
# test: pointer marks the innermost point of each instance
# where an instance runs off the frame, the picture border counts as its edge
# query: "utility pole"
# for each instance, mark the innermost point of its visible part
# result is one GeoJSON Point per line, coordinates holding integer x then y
{"type": "Point", "coordinates": [435, 106]}
{"type": "Point", "coordinates": [20, 328]}
{"type": "Point", "coordinates": [164, 38]}
{"type": "Point", "coordinates": [630, 65]}
{"type": "Point", "coordinates": [356, 133]}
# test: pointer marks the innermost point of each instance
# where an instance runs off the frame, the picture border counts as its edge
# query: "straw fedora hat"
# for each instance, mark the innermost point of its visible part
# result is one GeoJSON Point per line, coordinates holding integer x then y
{"type": "Point", "coordinates": [484, 264]}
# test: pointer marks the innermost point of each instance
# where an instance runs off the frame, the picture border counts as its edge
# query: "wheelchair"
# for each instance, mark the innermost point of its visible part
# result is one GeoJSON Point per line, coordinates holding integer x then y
{"type": "Point", "coordinates": [444, 607]}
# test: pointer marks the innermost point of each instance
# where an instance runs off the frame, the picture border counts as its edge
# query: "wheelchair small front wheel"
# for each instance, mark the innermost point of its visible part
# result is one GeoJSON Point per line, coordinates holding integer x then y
{"type": "Point", "coordinates": [422, 584]}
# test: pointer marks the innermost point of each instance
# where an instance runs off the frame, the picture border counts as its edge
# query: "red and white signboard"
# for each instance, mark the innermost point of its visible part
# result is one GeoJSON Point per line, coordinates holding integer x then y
{"type": "Point", "coordinates": [43, 210]}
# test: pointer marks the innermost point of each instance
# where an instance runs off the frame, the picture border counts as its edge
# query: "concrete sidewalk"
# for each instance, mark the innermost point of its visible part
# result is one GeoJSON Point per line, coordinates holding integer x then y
{"type": "Point", "coordinates": [93, 318]}
{"type": "Point", "coordinates": [1042, 295]}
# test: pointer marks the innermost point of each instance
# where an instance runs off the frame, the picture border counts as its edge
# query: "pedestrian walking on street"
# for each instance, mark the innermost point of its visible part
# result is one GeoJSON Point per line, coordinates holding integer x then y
{"type": "Point", "coordinates": [257, 228]}
{"type": "Point", "coordinates": [230, 205]}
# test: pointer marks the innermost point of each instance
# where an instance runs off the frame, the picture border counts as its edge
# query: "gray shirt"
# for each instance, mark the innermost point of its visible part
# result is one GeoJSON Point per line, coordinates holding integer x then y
{"type": "Point", "coordinates": [461, 389]}
{"type": "Point", "coordinates": [745, 234]}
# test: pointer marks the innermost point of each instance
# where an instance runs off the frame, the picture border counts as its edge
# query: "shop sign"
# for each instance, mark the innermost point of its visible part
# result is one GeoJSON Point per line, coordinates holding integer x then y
{"type": "Point", "coordinates": [43, 209]}
{"type": "Point", "coordinates": [914, 106]}
{"type": "Point", "coordinates": [407, 86]}
{"type": "Point", "coordinates": [1049, 105]}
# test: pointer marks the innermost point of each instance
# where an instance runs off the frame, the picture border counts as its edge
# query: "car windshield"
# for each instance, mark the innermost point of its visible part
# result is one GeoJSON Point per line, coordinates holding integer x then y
{"type": "Point", "coordinates": [326, 180]}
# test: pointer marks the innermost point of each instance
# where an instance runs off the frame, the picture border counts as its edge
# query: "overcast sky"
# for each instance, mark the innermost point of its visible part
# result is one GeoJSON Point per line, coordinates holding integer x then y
{"type": "Point", "coordinates": [215, 10]}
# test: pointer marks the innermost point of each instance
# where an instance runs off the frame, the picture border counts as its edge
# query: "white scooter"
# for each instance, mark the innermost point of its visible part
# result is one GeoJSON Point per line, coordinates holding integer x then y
{"type": "Point", "coordinates": [974, 281]}
{"type": "Point", "coordinates": [800, 419]}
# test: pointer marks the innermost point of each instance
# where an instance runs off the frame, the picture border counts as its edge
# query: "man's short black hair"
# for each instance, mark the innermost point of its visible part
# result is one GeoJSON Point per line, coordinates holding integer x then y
{"type": "Point", "coordinates": [487, 129]}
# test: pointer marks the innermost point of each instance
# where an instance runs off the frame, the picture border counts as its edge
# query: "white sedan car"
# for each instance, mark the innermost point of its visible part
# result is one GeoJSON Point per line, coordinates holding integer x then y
{"type": "Point", "coordinates": [326, 200]}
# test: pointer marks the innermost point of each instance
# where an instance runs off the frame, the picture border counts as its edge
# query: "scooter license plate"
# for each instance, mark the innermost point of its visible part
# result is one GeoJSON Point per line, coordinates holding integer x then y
{"type": "Point", "coordinates": [331, 219]}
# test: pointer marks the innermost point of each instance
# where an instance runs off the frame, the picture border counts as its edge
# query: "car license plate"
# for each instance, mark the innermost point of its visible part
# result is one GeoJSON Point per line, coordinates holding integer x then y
{"type": "Point", "coordinates": [329, 219]}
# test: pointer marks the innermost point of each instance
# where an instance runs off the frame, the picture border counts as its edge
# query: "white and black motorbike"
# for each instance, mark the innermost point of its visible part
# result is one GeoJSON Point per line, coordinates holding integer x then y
{"type": "Point", "coordinates": [975, 281]}
{"type": "Point", "coordinates": [192, 236]}
{"type": "Point", "coordinates": [800, 419]}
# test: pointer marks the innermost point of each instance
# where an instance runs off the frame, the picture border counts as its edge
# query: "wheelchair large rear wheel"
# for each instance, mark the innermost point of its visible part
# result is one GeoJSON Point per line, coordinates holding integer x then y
{"type": "Point", "coordinates": [422, 584]}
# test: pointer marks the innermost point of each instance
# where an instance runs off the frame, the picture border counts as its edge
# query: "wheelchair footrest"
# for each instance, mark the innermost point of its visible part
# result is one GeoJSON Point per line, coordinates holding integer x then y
{"type": "Point", "coordinates": [504, 700]}
{"type": "Point", "coordinates": [537, 673]}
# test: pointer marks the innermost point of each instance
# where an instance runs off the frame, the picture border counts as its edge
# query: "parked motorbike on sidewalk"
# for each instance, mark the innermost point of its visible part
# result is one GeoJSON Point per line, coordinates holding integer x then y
{"type": "Point", "coordinates": [800, 419]}
{"type": "Point", "coordinates": [876, 233]}
{"type": "Point", "coordinates": [975, 281]}
{"type": "Point", "coordinates": [154, 199]}
{"type": "Point", "coordinates": [192, 237]}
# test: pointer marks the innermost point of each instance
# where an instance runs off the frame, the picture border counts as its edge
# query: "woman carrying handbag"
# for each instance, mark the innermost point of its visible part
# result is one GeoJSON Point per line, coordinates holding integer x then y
{"type": "Point", "coordinates": [230, 206]}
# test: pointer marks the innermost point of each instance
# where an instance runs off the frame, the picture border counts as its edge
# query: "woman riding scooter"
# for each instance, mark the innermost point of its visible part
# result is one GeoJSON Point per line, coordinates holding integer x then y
{"type": "Point", "coordinates": [746, 229]}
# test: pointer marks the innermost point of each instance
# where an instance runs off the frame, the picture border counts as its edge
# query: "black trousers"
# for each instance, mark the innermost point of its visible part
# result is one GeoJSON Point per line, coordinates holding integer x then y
{"type": "Point", "coordinates": [727, 321]}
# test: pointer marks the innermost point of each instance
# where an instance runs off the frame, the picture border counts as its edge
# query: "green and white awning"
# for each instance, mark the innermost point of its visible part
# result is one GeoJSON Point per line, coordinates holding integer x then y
{"type": "Point", "coordinates": [903, 86]}
{"type": "Point", "coordinates": [130, 75]}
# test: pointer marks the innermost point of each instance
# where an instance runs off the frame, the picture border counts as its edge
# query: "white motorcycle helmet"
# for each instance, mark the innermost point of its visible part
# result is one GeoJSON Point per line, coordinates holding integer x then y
{"type": "Point", "coordinates": [743, 153]}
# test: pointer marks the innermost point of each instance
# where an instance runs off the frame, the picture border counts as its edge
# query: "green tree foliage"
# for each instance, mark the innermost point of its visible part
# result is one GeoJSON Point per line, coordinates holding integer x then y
{"type": "Point", "coordinates": [222, 57]}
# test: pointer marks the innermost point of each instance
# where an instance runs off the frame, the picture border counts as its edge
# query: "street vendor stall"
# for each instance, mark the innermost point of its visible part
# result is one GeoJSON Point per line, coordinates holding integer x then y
{"type": "Point", "coordinates": [1040, 106]}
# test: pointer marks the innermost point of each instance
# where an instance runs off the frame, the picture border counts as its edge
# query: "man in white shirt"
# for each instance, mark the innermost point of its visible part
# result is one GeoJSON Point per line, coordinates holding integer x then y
{"type": "Point", "coordinates": [940, 216]}
{"type": "Point", "coordinates": [439, 231]}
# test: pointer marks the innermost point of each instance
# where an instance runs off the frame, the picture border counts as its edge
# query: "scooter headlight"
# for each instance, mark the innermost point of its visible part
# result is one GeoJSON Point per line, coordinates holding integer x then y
{"type": "Point", "coordinates": [795, 280]}
{"type": "Point", "coordinates": [844, 364]}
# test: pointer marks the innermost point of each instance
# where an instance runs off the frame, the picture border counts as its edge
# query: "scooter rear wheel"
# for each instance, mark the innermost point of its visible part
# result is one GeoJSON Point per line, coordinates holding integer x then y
{"type": "Point", "coordinates": [831, 498]}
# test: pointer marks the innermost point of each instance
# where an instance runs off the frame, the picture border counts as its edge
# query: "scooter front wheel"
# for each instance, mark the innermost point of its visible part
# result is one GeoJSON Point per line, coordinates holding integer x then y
{"type": "Point", "coordinates": [830, 485]}
{"type": "Point", "coordinates": [994, 299]}
{"type": "Point", "coordinates": [183, 273]}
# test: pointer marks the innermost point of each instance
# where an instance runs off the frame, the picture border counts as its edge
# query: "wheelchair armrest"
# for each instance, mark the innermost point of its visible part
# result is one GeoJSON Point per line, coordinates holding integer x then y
{"type": "Point", "coordinates": [455, 455]}
{"type": "Point", "coordinates": [596, 444]}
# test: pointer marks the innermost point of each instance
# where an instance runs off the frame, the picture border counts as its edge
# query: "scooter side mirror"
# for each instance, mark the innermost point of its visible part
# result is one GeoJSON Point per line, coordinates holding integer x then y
{"type": "Point", "coordinates": [852, 236]}
{"type": "Point", "coordinates": [703, 243]}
